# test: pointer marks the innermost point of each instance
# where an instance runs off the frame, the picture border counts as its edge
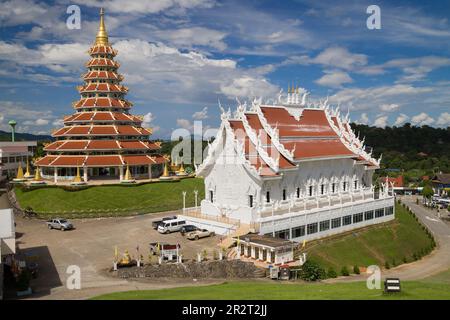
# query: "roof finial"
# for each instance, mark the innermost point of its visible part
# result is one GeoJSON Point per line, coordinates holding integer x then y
{"type": "Point", "coordinates": [102, 35]}
{"type": "Point", "coordinates": [289, 88]}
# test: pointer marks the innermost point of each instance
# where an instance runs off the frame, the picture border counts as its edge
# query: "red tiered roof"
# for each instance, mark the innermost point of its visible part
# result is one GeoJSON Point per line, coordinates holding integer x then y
{"type": "Point", "coordinates": [289, 137]}
{"type": "Point", "coordinates": [98, 117]}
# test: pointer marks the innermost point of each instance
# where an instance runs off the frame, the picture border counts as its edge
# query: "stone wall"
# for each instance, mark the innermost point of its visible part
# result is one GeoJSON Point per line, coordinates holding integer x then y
{"type": "Point", "coordinates": [207, 269]}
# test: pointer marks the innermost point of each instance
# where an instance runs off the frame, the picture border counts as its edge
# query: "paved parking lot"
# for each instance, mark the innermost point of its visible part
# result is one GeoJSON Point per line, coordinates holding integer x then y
{"type": "Point", "coordinates": [91, 247]}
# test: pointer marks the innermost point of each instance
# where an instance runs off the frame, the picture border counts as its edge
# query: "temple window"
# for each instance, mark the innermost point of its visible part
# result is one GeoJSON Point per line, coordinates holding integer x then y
{"type": "Point", "coordinates": [355, 184]}
{"type": "Point", "coordinates": [211, 196]}
{"type": "Point", "coordinates": [250, 201]}
{"type": "Point", "coordinates": [333, 187]}
{"type": "Point", "coordinates": [268, 196]}
{"type": "Point", "coordinates": [344, 186]}
{"type": "Point", "coordinates": [284, 194]}
{"type": "Point", "coordinates": [310, 191]}
{"type": "Point", "coordinates": [298, 192]}
{"type": "Point", "coordinates": [322, 189]}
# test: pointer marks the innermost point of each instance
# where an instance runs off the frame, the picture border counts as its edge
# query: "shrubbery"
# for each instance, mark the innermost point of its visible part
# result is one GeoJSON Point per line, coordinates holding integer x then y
{"type": "Point", "coordinates": [344, 271]}
{"type": "Point", "coordinates": [312, 271]}
{"type": "Point", "coordinates": [331, 273]}
{"type": "Point", "coordinates": [356, 270]}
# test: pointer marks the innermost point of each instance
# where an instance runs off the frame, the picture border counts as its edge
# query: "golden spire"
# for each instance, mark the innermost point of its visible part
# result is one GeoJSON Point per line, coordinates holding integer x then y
{"type": "Point", "coordinates": [27, 173]}
{"type": "Point", "coordinates": [19, 172]}
{"type": "Point", "coordinates": [289, 88]}
{"type": "Point", "coordinates": [37, 176]}
{"type": "Point", "coordinates": [77, 178]}
{"type": "Point", "coordinates": [166, 170]}
{"type": "Point", "coordinates": [181, 170]}
{"type": "Point", "coordinates": [102, 35]}
{"type": "Point", "coordinates": [128, 176]}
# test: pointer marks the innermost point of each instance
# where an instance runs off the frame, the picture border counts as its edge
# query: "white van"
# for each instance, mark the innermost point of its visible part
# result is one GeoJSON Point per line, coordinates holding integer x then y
{"type": "Point", "coordinates": [171, 226]}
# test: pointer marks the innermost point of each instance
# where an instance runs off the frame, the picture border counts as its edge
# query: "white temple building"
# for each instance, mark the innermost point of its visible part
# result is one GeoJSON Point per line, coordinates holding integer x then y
{"type": "Point", "coordinates": [292, 170]}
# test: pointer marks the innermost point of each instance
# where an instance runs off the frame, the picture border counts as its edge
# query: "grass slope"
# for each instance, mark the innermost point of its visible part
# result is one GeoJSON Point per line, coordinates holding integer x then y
{"type": "Point", "coordinates": [287, 291]}
{"type": "Point", "coordinates": [394, 242]}
{"type": "Point", "coordinates": [152, 197]}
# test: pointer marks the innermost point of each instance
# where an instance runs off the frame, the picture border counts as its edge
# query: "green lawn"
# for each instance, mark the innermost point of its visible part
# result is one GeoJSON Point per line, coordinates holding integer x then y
{"type": "Point", "coordinates": [392, 242]}
{"type": "Point", "coordinates": [287, 291]}
{"type": "Point", "coordinates": [145, 198]}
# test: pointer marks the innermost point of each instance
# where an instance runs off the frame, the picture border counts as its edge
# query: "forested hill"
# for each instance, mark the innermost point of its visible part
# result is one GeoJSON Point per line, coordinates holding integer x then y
{"type": "Point", "coordinates": [6, 136]}
{"type": "Point", "coordinates": [409, 147]}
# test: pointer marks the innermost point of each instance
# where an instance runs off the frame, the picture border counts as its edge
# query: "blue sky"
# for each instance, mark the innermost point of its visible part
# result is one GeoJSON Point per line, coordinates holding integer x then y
{"type": "Point", "coordinates": [179, 57]}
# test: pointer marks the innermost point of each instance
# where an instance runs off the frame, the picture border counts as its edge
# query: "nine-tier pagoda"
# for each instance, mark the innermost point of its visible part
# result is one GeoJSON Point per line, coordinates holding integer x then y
{"type": "Point", "coordinates": [102, 139]}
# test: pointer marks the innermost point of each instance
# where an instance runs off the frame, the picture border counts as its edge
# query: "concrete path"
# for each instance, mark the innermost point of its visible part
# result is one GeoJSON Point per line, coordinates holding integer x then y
{"type": "Point", "coordinates": [437, 261]}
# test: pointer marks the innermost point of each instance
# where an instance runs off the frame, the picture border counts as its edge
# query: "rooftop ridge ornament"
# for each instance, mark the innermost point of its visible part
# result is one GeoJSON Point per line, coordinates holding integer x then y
{"type": "Point", "coordinates": [102, 35]}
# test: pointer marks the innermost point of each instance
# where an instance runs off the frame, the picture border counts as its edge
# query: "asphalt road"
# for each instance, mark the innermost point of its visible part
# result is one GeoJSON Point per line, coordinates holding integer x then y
{"type": "Point", "coordinates": [437, 261]}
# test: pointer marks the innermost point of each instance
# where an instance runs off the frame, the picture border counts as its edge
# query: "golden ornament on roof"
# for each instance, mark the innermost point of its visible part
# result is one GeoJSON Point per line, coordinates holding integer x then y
{"type": "Point", "coordinates": [102, 35]}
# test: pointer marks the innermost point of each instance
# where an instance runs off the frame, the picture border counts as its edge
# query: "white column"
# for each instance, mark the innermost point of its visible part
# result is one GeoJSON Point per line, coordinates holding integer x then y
{"type": "Point", "coordinates": [121, 173]}
{"type": "Point", "coordinates": [55, 175]}
{"type": "Point", "coordinates": [269, 255]}
{"type": "Point", "coordinates": [85, 174]}
{"type": "Point", "coordinates": [252, 251]}
{"type": "Point", "coordinates": [184, 201]}
{"type": "Point", "coordinates": [149, 171]}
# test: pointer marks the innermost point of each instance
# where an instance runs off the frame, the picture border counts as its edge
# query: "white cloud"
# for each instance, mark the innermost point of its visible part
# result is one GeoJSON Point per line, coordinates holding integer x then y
{"type": "Point", "coordinates": [341, 58]}
{"type": "Point", "coordinates": [381, 121]}
{"type": "Point", "coordinates": [185, 124]}
{"type": "Point", "coordinates": [334, 79]}
{"type": "Point", "coordinates": [443, 120]}
{"type": "Point", "coordinates": [389, 107]}
{"type": "Point", "coordinates": [422, 119]}
{"type": "Point", "coordinates": [146, 6]}
{"type": "Point", "coordinates": [201, 115]}
{"type": "Point", "coordinates": [401, 119]}
{"type": "Point", "coordinates": [190, 37]}
{"type": "Point", "coordinates": [374, 97]}
{"type": "Point", "coordinates": [148, 119]}
{"type": "Point", "coordinates": [248, 86]}
{"type": "Point", "coordinates": [58, 123]}
{"type": "Point", "coordinates": [37, 122]}
{"type": "Point", "coordinates": [364, 119]}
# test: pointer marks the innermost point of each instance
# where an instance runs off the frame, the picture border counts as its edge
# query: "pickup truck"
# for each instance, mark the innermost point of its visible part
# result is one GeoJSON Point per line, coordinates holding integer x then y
{"type": "Point", "coordinates": [61, 224]}
{"type": "Point", "coordinates": [156, 223]}
{"type": "Point", "coordinates": [197, 234]}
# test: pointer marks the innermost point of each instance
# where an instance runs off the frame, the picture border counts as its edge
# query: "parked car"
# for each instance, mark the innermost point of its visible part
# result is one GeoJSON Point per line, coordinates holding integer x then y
{"type": "Point", "coordinates": [203, 233]}
{"type": "Point", "coordinates": [156, 223]}
{"type": "Point", "coordinates": [58, 223]}
{"type": "Point", "coordinates": [171, 226]}
{"type": "Point", "coordinates": [188, 228]}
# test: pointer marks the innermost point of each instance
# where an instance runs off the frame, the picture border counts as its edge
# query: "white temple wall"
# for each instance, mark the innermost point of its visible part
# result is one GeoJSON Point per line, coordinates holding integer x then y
{"type": "Point", "coordinates": [316, 173]}
{"type": "Point", "coordinates": [230, 184]}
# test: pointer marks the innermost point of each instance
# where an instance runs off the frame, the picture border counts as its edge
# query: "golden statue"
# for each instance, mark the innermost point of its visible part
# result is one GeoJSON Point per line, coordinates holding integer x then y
{"type": "Point", "coordinates": [28, 173]}
{"type": "Point", "coordinates": [19, 172]}
{"type": "Point", "coordinates": [128, 176]}
{"type": "Point", "coordinates": [77, 179]}
{"type": "Point", "coordinates": [37, 176]}
{"type": "Point", "coordinates": [126, 259]}
{"type": "Point", "coordinates": [166, 170]}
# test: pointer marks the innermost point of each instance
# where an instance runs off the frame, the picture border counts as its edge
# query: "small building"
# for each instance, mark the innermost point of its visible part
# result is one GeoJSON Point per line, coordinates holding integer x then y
{"type": "Point", "coordinates": [266, 248]}
{"type": "Point", "coordinates": [12, 154]}
{"type": "Point", "coordinates": [441, 183]}
{"type": "Point", "coordinates": [7, 241]}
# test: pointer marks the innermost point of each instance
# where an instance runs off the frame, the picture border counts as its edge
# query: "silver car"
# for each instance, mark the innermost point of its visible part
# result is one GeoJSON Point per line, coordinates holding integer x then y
{"type": "Point", "coordinates": [61, 224]}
